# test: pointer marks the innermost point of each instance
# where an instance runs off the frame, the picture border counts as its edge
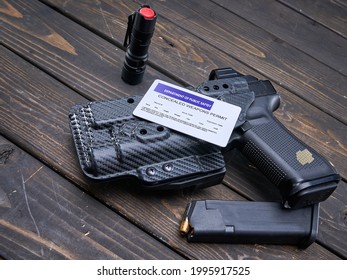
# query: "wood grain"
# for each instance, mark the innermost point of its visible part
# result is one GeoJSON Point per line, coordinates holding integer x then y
{"type": "Point", "coordinates": [46, 217]}
{"type": "Point", "coordinates": [332, 14]}
{"type": "Point", "coordinates": [77, 57]}
{"type": "Point", "coordinates": [36, 119]}
{"type": "Point", "coordinates": [272, 57]}
{"type": "Point", "coordinates": [297, 119]}
{"type": "Point", "coordinates": [295, 29]}
{"type": "Point", "coordinates": [267, 54]}
{"type": "Point", "coordinates": [157, 213]}
{"type": "Point", "coordinates": [190, 58]}
{"type": "Point", "coordinates": [323, 133]}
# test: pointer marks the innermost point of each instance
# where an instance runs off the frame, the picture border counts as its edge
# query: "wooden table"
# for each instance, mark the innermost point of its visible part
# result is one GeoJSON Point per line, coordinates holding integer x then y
{"type": "Point", "coordinates": [58, 53]}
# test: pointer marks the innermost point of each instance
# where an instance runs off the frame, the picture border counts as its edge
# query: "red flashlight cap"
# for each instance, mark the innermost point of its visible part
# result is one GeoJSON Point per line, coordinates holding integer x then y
{"type": "Point", "coordinates": [147, 13]}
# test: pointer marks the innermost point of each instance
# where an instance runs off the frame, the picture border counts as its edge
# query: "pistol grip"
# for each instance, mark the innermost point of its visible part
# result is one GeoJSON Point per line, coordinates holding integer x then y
{"type": "Point", "coordinates": [302, 175]}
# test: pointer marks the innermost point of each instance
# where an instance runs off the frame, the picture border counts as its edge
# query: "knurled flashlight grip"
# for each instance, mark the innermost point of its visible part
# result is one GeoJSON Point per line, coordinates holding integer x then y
{"type": "Point", "coordinates": [301, 174]}
{"type": "Point", "coordinates": [141, 25]}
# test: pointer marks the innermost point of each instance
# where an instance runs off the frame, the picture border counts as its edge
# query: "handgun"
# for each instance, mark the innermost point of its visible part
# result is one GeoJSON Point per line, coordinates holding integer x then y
{"type": "Point", "coordinates": [302, 176]}
{"type": "Point", "coordinates": [111, 143]}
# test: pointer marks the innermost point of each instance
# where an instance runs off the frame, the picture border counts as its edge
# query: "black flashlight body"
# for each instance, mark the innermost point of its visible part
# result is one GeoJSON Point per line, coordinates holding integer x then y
{"type": "Point", "coordinates": [140, 30]}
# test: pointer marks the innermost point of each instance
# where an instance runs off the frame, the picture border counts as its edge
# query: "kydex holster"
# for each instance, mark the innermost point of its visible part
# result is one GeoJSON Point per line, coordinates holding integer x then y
{"type": "Point", "coordinates": [112, 144]}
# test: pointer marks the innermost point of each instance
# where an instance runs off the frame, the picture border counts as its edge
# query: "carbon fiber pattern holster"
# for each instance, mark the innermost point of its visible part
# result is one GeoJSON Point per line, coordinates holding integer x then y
{"type": "Point", "coordinates": [111, 143]}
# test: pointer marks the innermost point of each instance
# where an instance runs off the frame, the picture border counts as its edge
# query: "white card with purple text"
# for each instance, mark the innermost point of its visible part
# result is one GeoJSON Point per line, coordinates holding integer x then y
{"type": "Point", "coordinates": [188, 112]}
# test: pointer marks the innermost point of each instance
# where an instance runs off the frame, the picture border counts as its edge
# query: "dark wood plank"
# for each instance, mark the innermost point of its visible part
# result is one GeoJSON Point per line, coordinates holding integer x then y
{"type": "Point", "coordinates": [43, 216]}
{"type": "Point", "coordinates": [196, 59]}
{"type": "Point", "coordinates": [35, 118]}
{"type": "Point", "coordinates": [173, 28]}
{"type": "Point", "coordinates": [274, 58]}
{"type": "Point", "coordinates": [333, 213]}
{"type": "Point", "coordinates": [332, 14]}
{"type": "Point", "coordinates": [77, 57]}
{"type": "Point", "coordinates": [305, 121]}
{"type": "Point", "coordinates": [269, 55]}
{"type": "Point", "coordinates": [323, 132]}
{"type": "Point", "coordinates": [295, 29]}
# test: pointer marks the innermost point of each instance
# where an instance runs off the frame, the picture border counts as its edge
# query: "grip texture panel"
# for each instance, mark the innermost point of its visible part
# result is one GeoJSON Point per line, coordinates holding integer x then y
{"type": "Point", "coordinates": [268, 167]}
{"type": "Point", "coordinates": [286, 145]}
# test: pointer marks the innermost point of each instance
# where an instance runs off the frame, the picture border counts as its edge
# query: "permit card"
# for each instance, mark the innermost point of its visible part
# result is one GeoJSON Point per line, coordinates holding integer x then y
{"type": "Point", "coordinates": [188, 112]}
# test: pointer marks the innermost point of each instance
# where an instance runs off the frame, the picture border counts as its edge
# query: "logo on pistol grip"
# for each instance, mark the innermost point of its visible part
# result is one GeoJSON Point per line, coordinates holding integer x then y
{"type": "Point", "coordinates": [304, 157]}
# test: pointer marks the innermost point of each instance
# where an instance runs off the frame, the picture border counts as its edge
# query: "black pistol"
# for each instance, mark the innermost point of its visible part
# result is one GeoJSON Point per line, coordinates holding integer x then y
{"type": "Point", "coordinates": [302, 175]}
{"type": "Point", "coordinates": [111, 143]}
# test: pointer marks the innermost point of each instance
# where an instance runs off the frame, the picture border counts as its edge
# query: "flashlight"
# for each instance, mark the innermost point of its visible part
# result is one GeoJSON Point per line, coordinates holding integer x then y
{"type": "Point", "coordinates": [140, 30]}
